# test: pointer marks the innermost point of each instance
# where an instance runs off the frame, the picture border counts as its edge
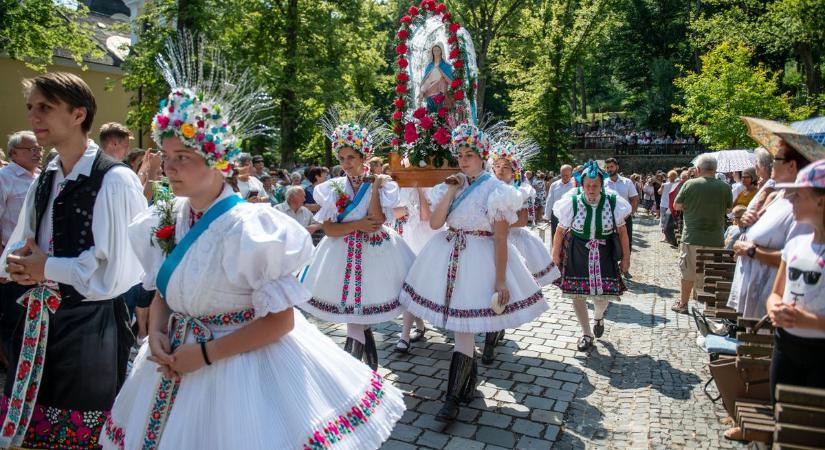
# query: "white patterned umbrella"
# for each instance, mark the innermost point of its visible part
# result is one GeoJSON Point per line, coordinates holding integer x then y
{"type": "Point", "coordinates": [732, 160]}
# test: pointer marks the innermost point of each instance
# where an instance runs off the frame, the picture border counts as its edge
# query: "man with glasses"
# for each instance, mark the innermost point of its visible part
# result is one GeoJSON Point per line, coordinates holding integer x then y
{"type": "Point", "coordinates": [15, 180]}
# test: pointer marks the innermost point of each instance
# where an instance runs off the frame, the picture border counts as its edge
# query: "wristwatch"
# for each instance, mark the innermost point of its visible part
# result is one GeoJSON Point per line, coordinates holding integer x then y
{"type": "Point", "coordinates": [751, 251]}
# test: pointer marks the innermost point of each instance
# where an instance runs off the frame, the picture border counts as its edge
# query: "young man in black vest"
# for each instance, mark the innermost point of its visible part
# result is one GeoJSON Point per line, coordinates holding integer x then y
{"type": "Point", "coordinates": [70, 247]}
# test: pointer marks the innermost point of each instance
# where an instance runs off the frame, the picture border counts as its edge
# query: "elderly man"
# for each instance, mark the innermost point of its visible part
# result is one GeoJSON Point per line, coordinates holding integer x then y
{"type": "Point", "coordinates": [15, 179]}
{"type": "Point", "coordinates": [704, 202]}
{"type": "Point", "coordinates": [249, 187]}
{"type": "Point", "coordinates": [557, 190]}
{"type": "Point", "coordinates": [114, 140]}
{"type": "Point", "coordinates": [258, 165]}
{"type": "Point", "coordinates": [294, 207]}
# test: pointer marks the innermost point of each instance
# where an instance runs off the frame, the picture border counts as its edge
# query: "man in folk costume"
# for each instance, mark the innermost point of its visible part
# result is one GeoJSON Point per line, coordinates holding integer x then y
{"type": "Point", "coordinates": [70, 247]}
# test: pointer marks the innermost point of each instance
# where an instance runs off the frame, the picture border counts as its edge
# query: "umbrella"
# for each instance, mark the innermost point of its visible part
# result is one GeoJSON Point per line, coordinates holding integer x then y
{"type": "Point", "coordinates": [815, 128]}
{"type": "Point", "coordinates": [806, 146]}
{"type": "Point", "coordinates": [765, 132]}
{"type": "Point", "coordinates": [732, 160]}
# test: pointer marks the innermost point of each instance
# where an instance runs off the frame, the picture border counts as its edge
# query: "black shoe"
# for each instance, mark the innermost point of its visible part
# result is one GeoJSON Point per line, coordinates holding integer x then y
{"type": "Point", "coordinates": [585, 343]}
{"type": "Point", "coordinates": [461, 370]}
{"type": "Point", "coordinates": [489, 353]}
{"type": "Point", "coordinates": [354, 348]}
{"type": "Point", "coordinates": [370, 350]}
{"type": "Point", "coordinates": [402, 346]}
{"type": "Point", "coordinates": [417, 334]}
{"type": "Point", "coordinates": [500, 337]}
{"type": "Point", "coordinates": [598, 327]}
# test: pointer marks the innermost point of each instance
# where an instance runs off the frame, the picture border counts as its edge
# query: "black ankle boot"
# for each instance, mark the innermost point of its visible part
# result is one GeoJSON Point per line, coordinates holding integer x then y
{"type": "Point", "coordinates": [354, 348]}
{"type": "Point", "coordinates": [490, 341]}
{"type": "Point", "coordinates": [370, 351]}
{"type": "Point", "coordinates": [461, 369]}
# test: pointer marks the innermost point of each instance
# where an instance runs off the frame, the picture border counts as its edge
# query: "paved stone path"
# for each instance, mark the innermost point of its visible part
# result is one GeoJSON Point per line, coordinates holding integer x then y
{"type": "Point", "coordinates": [639, 387]}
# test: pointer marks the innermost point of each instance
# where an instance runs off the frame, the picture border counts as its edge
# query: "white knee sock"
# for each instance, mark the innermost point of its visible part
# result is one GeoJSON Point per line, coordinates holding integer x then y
{"type": "Point", "coordinates": [580, 307]}
{"type": "Point", "coordinates": [407, 322]}
{"type": "Point", "coordinates": [356, 331]}
{"type": "Point", "coordinates": [465, 343]}
{"type": "Point", "coordinates": [599, 307]}
{"type": "Point", "coordinates": [419, 323]}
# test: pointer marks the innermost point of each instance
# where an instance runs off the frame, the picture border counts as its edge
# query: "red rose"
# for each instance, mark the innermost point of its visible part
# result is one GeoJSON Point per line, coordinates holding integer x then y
{"type": "Point", "coordinates": [402, 76]}
{"type": "Point", "coordinates": [209, 146]}
{"type": "Point", "coordinates": [454, 53]}
{"type": "Point", "coordinates": [440, 8]}
{"type": "Point", "coordinates": [413, 10]}
{"type": "Point", "coordinates": [429, 5]}
{"type": "Point", "coordinates": [439, 98]}
{"type": "Point", "coordinates": [441, 136]}
{"type": "Point", "coordinates": [163, 121]}
{"type": "Point", "coordinates": [399, 103]}
{"type": "Point", "coordinates": [410, 133]}
{"type": "Point", "coordinates": [475, 84]}
{"type": "Point", "coordinates": [456, 83]}
{"type": "Point", "coordinates": [165, 232]}
{"type": "Point", "coordinates": [401, 49]}
{"type": "Point", "coordinates": [420, 113]}
{"type": "Point", "coordinates": [401, 88]}
{"type": "Point", "coordinates": [454, 27]}
{"type": "Point", "coordinates": [426, 123]}
{"type": "Point", "coordinates": [397, 115]}
{"type": "Point", "coordinates": [452, 39]}
{"type": "Point", "coordinates": [442, 112]}
{"type": "Point", "coordinates": [458, 95]}
{"type": "Point", "coordinates": [403, 63]}
{"type": "Point", "coordinates": [458, 64]}
{"type": "Point", "coordinates": [403, 34]}
{"type": "Point", "coordinates": [446, 17]}
{"type": "Point", "coordinates": [406, 19]}
{"type": "Point", "coordinates": [396, 142]}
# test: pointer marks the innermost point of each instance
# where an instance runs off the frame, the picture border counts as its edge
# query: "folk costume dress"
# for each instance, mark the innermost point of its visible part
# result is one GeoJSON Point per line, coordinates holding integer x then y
{"type": "Point", "coordinates": [416, 233]}
{"type": "Point", "coordinates": [69, 351]}
{"type": "Point", "coordinates": [589, 267]}
{"type": "Point", "coordinates": [356, 278]}
{"type": "Point", "coordinates": [453, 278]}
{"type": "Point", "coordinates": [300, 392]}
{"type": "Point", "coordinates": [531, 248]}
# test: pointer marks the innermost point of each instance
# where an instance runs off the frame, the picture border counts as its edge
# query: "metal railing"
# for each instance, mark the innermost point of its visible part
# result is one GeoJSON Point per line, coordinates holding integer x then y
{"type": "Point", "coordinates": [622, 148]}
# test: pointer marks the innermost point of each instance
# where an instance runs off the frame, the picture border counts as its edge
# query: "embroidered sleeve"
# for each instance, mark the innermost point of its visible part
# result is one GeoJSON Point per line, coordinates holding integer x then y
{"type": "Point", "coordinates": [504, 203]}
{"type": "Point", "coordinates": [274, 249]}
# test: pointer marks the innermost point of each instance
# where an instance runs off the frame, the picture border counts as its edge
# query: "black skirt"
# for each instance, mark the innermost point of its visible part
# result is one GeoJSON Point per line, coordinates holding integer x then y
{"type": "Point", "coordinates": [575, 269]}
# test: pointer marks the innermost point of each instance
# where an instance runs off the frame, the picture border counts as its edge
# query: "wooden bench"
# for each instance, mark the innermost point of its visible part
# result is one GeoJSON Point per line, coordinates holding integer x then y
{"type": "Point", "coordinates": [799, 416]}
{"type": "Point", "coordinates": [717, 268]}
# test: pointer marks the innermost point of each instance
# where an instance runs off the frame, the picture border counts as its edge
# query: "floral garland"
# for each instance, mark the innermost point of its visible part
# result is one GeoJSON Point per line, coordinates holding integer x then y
{"type": "Point", "coordinates": [164, 232]}
{"type": "Point", "coordinates": [428, 135]}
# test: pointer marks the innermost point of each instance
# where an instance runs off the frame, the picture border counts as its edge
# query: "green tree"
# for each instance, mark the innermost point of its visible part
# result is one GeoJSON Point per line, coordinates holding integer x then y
{"type": "Point", "coordinates": [31, 30]}
{"type": "Point", "coordinates": [728, 87]}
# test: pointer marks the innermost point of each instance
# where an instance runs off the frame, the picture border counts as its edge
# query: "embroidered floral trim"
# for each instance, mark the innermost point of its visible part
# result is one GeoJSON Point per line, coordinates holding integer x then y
{"type": "Point", "coordinates": [399, 224]}
{"type": "Point", "coordinates": [471, 313]}
{"type": "Point", "coordinates": [114, 433]}
{"type": "Point", "coordinates": [379, 237]}
{"type": "Point", "coordinates": [61, 429]}
{"type": "Point", "coordinates": [345, 424]}
{"type": "Point", "coordinates": [544, 271]}
{"type": "Point", "coordinates": [368, 310]}
{"type": "Point", "coordinates": [581, 285]}
{"type": "Point", "coordinates": [167, 388]}
{"type": "Point", "coordinates": [355, 246]}
{"type": "Point", "coordinates": [39, 302]}
{"type": "Point", "coordinates": [459, 240]}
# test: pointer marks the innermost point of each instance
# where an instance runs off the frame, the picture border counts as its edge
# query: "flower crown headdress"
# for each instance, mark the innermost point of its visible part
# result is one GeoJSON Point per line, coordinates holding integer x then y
{"type": "Point", "coordinates": [515, 148]}
{"type": "Point", "coordinates": [469, 135]}
{"type": "Point", "coordinates": [210, 108]}
{"type": "Point", "coordinates": [364, 132]}
{"type": "Point", "coordinates": [590, 169]}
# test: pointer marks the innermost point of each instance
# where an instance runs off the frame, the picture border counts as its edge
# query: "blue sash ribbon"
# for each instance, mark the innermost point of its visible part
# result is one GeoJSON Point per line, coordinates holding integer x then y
{"type": "Point", "coordinates": [176, 256]}
{"type": "Point", "coordinates": [461, 197]}
{"type": "Point", "coordinates": [354, 203]}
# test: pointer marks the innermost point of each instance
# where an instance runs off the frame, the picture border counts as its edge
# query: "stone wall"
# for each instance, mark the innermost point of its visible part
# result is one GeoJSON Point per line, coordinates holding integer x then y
{"type": "Point", "coordinates": [633, 163]}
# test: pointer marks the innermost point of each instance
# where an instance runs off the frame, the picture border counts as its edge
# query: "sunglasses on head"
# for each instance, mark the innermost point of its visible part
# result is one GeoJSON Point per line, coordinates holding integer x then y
{"type": "Point", "coordinates": [810, 277]}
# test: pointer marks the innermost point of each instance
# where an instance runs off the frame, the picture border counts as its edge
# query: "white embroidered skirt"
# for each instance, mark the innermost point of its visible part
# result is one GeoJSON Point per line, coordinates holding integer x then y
{"type": "Point", "coordinates": [473, 284]}
{"type": "Point", "coordinates": [536, 256]}
{"type": "Point", "coordinates": [357, 278]}
{"type": "Point", "coordinates": [302, 391]}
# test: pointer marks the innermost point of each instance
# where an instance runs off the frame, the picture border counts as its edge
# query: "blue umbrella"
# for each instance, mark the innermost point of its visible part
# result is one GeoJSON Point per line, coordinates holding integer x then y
{"type": "Point", "coordinates": [813, 128]}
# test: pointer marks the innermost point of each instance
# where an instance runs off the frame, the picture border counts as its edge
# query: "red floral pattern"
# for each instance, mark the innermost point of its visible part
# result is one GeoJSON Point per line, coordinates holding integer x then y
{"type": "Point", "coordinates": [60, 429]}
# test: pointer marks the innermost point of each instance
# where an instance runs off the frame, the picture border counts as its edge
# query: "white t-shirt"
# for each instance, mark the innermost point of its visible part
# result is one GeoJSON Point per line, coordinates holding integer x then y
{"type": "Point", "coordinates": [663, 203]}
{"type": "Point", "coordinates": [253, 184]}
{"type": "Point", "coordinates": [623, 186]}
{"type": "Point", "coordinates": [805, 279]}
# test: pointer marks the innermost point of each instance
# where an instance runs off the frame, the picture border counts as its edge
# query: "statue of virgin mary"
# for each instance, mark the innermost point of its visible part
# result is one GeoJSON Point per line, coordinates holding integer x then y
{"type": "Point", "coordinates": [437, 77]}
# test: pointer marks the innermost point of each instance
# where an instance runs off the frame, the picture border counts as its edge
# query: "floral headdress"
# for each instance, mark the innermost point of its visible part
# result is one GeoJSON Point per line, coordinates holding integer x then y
{"type": "Point", "coordinates": [210, 108]}
{"type": "Point", "coordinates": [515, 148]}
{"type": "Point", "coordinates": [364, 133]}
{"type": "Point", "coordinates": [468, 135]}
{"type": "Point", "coordinates": [590, 169]}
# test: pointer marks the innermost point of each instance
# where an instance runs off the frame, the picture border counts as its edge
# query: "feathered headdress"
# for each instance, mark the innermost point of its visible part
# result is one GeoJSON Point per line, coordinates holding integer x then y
{"type": "Point", "coordinates": [364, 132]}
{"type": "Point", "coordinates": [590, 169]}
{"type": "Point", "coordinates": [210, 108]}
{"type": "Point", "coordinates": [476, 137]}
{"type": "Point", "coordinates": [514, 147]}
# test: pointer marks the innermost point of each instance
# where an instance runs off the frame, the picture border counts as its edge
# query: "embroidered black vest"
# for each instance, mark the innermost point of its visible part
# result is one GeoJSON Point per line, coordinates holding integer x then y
{"type": "Point", "coordinates": [72, 214]}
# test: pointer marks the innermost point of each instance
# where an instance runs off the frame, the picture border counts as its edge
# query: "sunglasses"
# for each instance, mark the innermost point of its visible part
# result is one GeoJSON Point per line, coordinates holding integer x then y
{"type": "Point", "coordinates": [810, 277]}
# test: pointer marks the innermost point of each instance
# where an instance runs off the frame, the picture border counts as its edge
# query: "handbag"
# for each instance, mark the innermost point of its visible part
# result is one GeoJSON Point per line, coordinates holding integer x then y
{"type": "Point", "coordinates": [736, 383]}
{"type": "Point", "coordinates": [614, 240]}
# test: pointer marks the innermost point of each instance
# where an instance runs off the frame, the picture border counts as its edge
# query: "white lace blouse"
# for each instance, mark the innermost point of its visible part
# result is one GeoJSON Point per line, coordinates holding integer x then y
{"type": "Point", "coordinates": [326, 194]}
{"type": "Point", "coordinates": [490, 202]}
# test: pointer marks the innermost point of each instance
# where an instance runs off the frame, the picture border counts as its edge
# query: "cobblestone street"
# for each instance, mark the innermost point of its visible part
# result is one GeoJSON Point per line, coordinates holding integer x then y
{"type": "Point", "coordinates": [639, 387]}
